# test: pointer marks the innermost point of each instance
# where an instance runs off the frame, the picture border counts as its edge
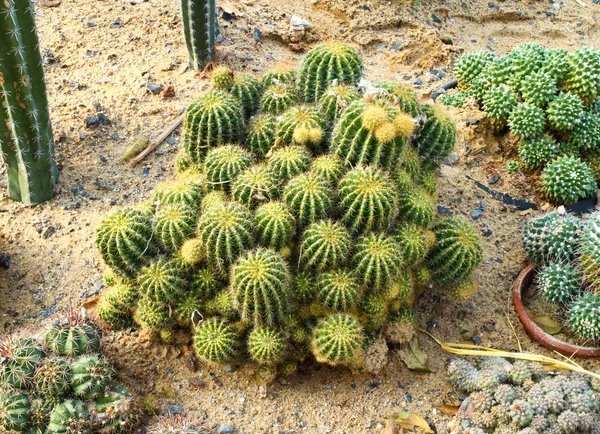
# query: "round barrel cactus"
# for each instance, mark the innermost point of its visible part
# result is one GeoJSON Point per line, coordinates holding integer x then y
{"type": "Point", "coordinates": [266, 345]}
{"type": "Point", "coordinates": [14, 410]}
{"type": "Point", "coordinates": [288, 161]}
{"type": "Point", "coordinates": [568, 179]}
{"type": "Point", "coordinates": [337, 339]}
{"type": "Point", "coordinates": [162, 281]}
{"type": "Point", "coordinates": [73, 338]}
{"type": "Point", "coordinates": [308, 197]}
{"type": "Point", "coordinates": [552, 237]}
{"type": "Point", "coordinates": [260, 135]}
{"type": "Point", "coordinates": [437, 137]}
{"type": "Point", "coordinates": [69, 417]}
{"type": "Point", "coordinates": [173, 224]}
{"type": "Point", "coordinates": [278, 97]}
{"type": "Point", "coordinates": [335, 100]}
{"type": "Point", "coordinates": [216, 341]}
{"type": "Point", "coordinates": [275, 225]}
{"type": "Point", "coordinates": [224, 163]}
{"type": "Point", "coordinates": [91, 376]}
{"type": "Point", "coordinates": [377, 259]}
{"type": "Point", "coordinates": [325, 243]}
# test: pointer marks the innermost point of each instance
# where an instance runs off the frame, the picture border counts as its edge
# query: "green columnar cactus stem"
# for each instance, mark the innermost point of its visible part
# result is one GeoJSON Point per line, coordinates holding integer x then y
{"type": "Point", "coordinates": [499, 102]}
{"type": "Point", "coordinates": [527, 121]}
{"type": "Point", "coordinates": [552, 237]}
{"type": "Point", "coordinates": [415, 241]}
{"type": "Point", "coordinates": [470, 65]}
{"type": "Point", "coordinates": [247, 89]}
{"type": "Point", "coordinates": [584, 316]}
{"type": "Point", "coordinates": [224, 164]}
{"type": "Point", "coordinates": [436, 138]}
{"type": "Point", "coordinates": [281, 74]}
{"type": "Point", "coordinates": [162, 281]}
{"type": "Point", "coordinates": [91, 376]}
{"type": "Point", "coordinates": [173, 224]}
{"type": "Point", "coordinates": [325, 64]}
{"type": "Point", "coordinates": [76, 339]}
{"type": "Point", "coordinates": [226, 231]}
{"type": "Point", "coordinates": [14, 410]}
{"type": "Point", "coordinates": [337, 340]}
{"type": "Point", "coordinates": [222, 77]}
{"type": "Point", "coordinates": [289, 161]}
{"type": "Point", "coordinates": [183, 191]}
{"type": "Point", "coordinates": [124, 240]}
{"type": "Point", "coordinates": [339, 290]}
{"type": "Point", "coordinates": [69, 417]}
{"type": "Point", "coordinates": [564, 111]}
{"type": "Point", "coordinates": [260, 285]}
{"type": "Point", "coordinates": [308, 197]}
{"type": "Point", "coordinates": [260, 136]}
{"type": "Point", "coordinates": [216, 341]}
{"type": "Point", "coordinates": [213, 119]}
{"type": "Point", "coordinates": [116, 306]}
{"type": "Point", "coordinates": [200, 31]}
{"type": "Point", "coordinates": [26, 142]}
{"type": "Point", "coordinates": [456, 253]}
{"type": "Point", "coordinates": [275, 225]}
{"type": "Point", "coordinates": [537, 152]}
{"type": "Point", "coordinates": [583, 78]}
{"type": "Point", "coordinates": [559, 282]}
{"type": "Point", "coordinates": [254, 186]}
{"type": "Point", "coordinates": [568, 179]}
{"type": "Point", "coordinates": [192, 252]}
{"type": "Point", "coordinates": [402, 95]}
{"type": "Point", "coordinates": [301, 125]}
{"type": "Point", "coordinates": [278, 97]}
{"type": "Point", "coordinates": [330, 167]}
{"type": "Point", "coordinates": [153, 316]}
{"type": "Point", "coordinates": [335, 100]}
{"type": "Point", "coordinates": [416, 206]}
{"type": "Point", "coordinates": [52, 377]}
{"type": "Point", "coordinates": [325, 244]}
{"type": "Point", "coordinates": [266, 345]}
{"type": "Point", "coordinates": [368, 199]}
{"type": "Point", "coordinates": [377, 259]}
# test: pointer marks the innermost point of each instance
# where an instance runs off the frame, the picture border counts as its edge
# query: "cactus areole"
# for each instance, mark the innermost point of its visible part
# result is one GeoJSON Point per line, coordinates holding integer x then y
{"type": "Point", "coordinates": [199, 29]}
{"type": "Point", "coordinates": [26, 142]}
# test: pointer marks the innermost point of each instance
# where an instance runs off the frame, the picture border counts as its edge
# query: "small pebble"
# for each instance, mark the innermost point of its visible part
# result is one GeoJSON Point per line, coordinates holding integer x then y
{"type": "Point", "coordinates": [487, 232]}
{"type": "Point", "coordinates": [476, 214]}
{"type": "Point", "coordinates": [173, 409]}
{"type": "Point", "coordinates": [435, 18]}
{"type": "Point", "coordinates": [396, 46]}
{"type": "Point", "coordinates": [103, 159]}
{"type": "Point", "coordinates": [225, 429]}
{"type": "Point", "coordinates": [257, 35]}
{"type": "Point", "coordinates": [494, 179]}
{"type": "Point", "coordinates": [476, 340]}
{"type": "Point", "coordinates": [91, 24]}
{"type": "Point", "coordinates": [170, 140]}
{"type": "Point", "coordinates": [418, 82]}
{"type": "Point", "coordinates": [408, 397]}
{"type": "Point", "coordinates": [443, 210]}
{"type": "Point", "coordinates": [145, 172]}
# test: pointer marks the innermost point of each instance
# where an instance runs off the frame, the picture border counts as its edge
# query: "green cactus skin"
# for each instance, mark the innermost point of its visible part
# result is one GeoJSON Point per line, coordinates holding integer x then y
{"type": "Point", "coordinates": [537, 152]}
{"type": "Point", "coordinates": [278, 97]}
{"type": "Point", "coordinates": [335, 100]}
{"type": "Point", "coordinates": [15, 375]}
{"type": "Point", "coordinates": [288, 162]}
{"type": "Point", "coordinates": [456, 253]}
{"type": "Point", "coordinates": [224, 163]}
{"type": "Point", "coordinates": [539, 89]}
{"type": "Point", "coordinates": [222, 77]}
{"type": "Point", "coordinates": [266, 345]}
{"type": "Point", "coordinates": [91, 376]}
{"type": "Point", "coordinates": [368, 199]}
{"type": "Point", "coordinates": [301, 125]}
{"type": "Point", "coordinates": [182, 161]}
{"type": "Point", "coordinates": [428, 180]}
{"type": "Point", "coordinates": [527, 121]}
{"type": "Point", "coordinates": [27, 352]}
{"type": "Point", "coordinates": [437, 137]}
{"type": "Point", "coordinates": [153, 316]}
{"type": "Point", "coordinates": [583, 78]}
{"type": "Point", "coordinates": [512, 167]}
{"type": "Point", "coordinates": [212, 199]}
{"type": "Point", "coordinates": [216, 341]}
{"type": "Point", "coordinates": [416, 206]}
{"type": "Point", "coordinates": [188, 309]}
{"type": "Point", "coordinates": [226, 231]}
{"type": "Point", "coordinates": [206, 281]}
{"type": "Point", "coordinates": [525, 59]}
{"type": "Point", "coordinates": [415, 241]}
{"type": "Point", "coordinates": [260, 136]}
{"type": "Point", "coordinates": [326, 64]}
{"type": "Point", "coordinates": [552, 237]}
{"type": "Point", "coordinates": [247, 90]}
{"type": "Point", "coordinates": [410, 161]}
{"type": "Point", "coordinates": [221, 305]}
{"type": "Point", "coordinates": [564, 112]}
{"type": "Point", "coordinates": [200, 31]}
{"type": "Point", "coordinates": [377, 259]}
{"type": "Point", "coordinates": [402, 179]}
{"type": "Point", "coordinates": [69, 417]}
{"type": "Point", "coordinates": [183, 191]}
{"type": "Point", "coordinates": [584, 316]}
{"type": "Point", "coordinates": [162, 281]}
{"type": "Point", "coordinates": [470, 65]}
{"type": "Point", "coordinates": [330, 167]}
{"type": "Point", "coordinates": [39, 413]}
{"type": "Point", "coordinates": [375, 309]}
{"type": "Point", "coordinates": [73, 339]}
{"type": "Point", "coordinates": [358, 145]}
{"type": "Point", "coordinates": [192, 252]}
{"type": "Point", "coordinates": [280, 74]}
{"type": "Point", "coordinates": [559, 282]}
{"type": "Point", "coordinates": [568, 179]}
{"type": "Point", "coordinates": [589, 255]}
{"type": "Point", "coordinates": [213, 119]}
{"type": "Point", "coordinates": [260, 286]}
{"type": "Point", "coordinates": [458, 99]}
{"type": "Point", "coordinates": [308, 197]}
{"type": "Point", "coordinates": [52, 377]}
{"type": "Point", "coordinates": [14, 410]}
{"type": "Point", "coordinates": [305, 286]}
{"type": "Point", "coordinates": [254, 186]}
{"type": "Point", "coordinates": [337, 340]}
{"type": "Point", "coordinates": [402, 95]}
{"type": "Point", "coordinates": [586, 136]}
{"type": "Point", "coordinates": [399, 291]}
{"type": "Point", "coordinates": [124, 240]}
{"type": "Point", "coordinates": [275, 225]}
{"type": "Point", "coordinates": [116, 306]}
{"type": "Point", "coordinates": [499, 102]}
{"type": "Point", "coordinates": [173, 224]}
{"type": "Point", "coordinates": [26, 142]}
{"type": "Point", "coordinates": [463, 375]}
{"type": "Point", "coordinates": [464, 291]}
{"type": "Point", "coordinates": [339, 290]}
{"type": "Point", "coordinates": [325, 244]}
{"type": "Point", "coordinates": [115, 411]}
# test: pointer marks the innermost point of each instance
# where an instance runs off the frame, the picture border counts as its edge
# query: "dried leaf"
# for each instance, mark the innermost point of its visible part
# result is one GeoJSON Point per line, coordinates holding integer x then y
{"type": "Point", "coordinates": [51, 3]}
{"type": "Point", "coordinates": [230, 8]}
{"type": "Point", "coordinates": [448, 410]}
{"type": "Point", "coordinates": [414, 356]}
{"type": "Point", "coordinates": [390, 428]}
{"type": "Point", "coordinates": [406, 420]}
{"type": "Point", "coordinates": [546, 323]}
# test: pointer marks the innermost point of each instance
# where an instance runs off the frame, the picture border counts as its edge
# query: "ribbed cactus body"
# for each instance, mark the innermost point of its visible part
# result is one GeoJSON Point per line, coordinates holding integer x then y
{"type": "Point", "coordinates": [559, 282]}
{"type": "Point", "coordinates": [325, 244]}
{"type": "Point", "coordinates": [537, 152]}
{"type": "Point", "coordinates": [260, 285]}
{"type": "Point", "coordinates": [212, 199]}
{"type": "Point", "coordinates": [247, 90]}
{"type": "Point", "coordinates": [470, 65]}
{"type": "Point", "coordinates": [275, 225]}
{"type": "Point", "coordinates": [330, 167]}
{"type": "Point", "coordinates": [221, 305]}
{"type": "Point", "coordinates": [288, 161]}
{"type": "Point", "coordinates": [583, 78]}
{"type": "Point", "coordinates": [266, 345]}
{"type": "Point", "coordinates": [69, 417]}
{"type": "Point", "coordinates": [279, 74]}
{"type": "Point", "coordinates": [301, 125]}
{"type": "Point", "coordinates": [15, 375]}
{"type": "Point", "coordinates": [377, 259]}
{"type": "Point", "coordinates": [589, 258]}
{"type": "Point", "coordinates": [339, 290]}
{"type": "Point", "coordinates": [216, 341]}
{"type": "Point", "coordinates": [91, 376]}
{"type": "Point", "coordinates": [416, 206]}
{"type": "Point", "coordinates": [415, 241]}
{"type": "Point", "coordinates": [162, 281]}
{"type": "Point", "coordinates": [26, 141]}
{"type": "Point", "coordinates": [499, 102]}
{"type": "Point", "coordinates": [73, 339]}
{"type": "Point", "coordinates": [278, 97]}
{"type": "Point", "coordinates": [14, 410]}
{"type": "Point", "coordinates": [52, 377]}
{"type": "Point", "coordinates": [436, 138]}
{"type": "Point", "coordinates": [117, 305]}
{"type": "Point", "coordinates": [568, 179]}
{"type": "Point", "coordinates": [305, 286]}
{"type": "Point", "coordinates": [222, 77]}
{"type": "Point", "coordinates": [153, 316]}
{"type": "Point", "coordinates": [584, 316]}
{"type": "Point", "coordinates": [375, 310]}
{"type": "Point", "coordinates": [564, 111]}
{"type": "Point", "coordinates": [260, 135]}
{"type": "Point", "coordinates": [224, 163]}
{"type": "Point", "coordinates": [335, 100]}
{"type": "Point", "coordinates": [402, 95]}
{"type": "Point", "coordinates": [539, 88]}
{"type": "Point", "coordinates": [213, 119]}
{"type": "Point", "coordinates": [337, 339]}
{"type": "Point", "coordinates": [173, 224]}
{"type": "Point", "coordinates": [200, 31]}
{"type": "Point", "coordinates": [192, 252]}
{"type": "Point", "coordinates": [124, 240]}
{"type": "Point", "coordinates": [527, 121]}
{"type": "Point", "coordinates": [183, 191]}
{"type": "Point", "coordinates": [552, 237]}
{"type": "Point", "coordinates": [325, 64]}
{"type": "Point", "coordinates": [308, 197]}
{"type": "Point", "coordinates": [254, 186]}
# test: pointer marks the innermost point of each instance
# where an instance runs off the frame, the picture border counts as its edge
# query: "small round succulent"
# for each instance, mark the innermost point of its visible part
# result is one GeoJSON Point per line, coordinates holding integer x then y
{"type": "Point", "coordinates": [75, 335]}
{"type": "Point", "coordinates": [564, 112]}
{"type": "Point", "coordinates": [260, 135]}
{"type": "Point", "coordinates": [458, 99]}
{"type": "Point", "coordinates": [556, 63]}
{"type": "Point", "coordinates": [301, 125]}
{"type": "Point", "coordinates": [222, 305]}
{"type": "Point", "coordinates": [470, 65]}
{"type": "Point", "coordinates": [183, 161]}
{"type": "Point", "coordinates": [377, 259]}
{"type": "Point", "coordinates": [559, 282]}
{"type": "Point", "coordinates": [586, 136]}
{"type": "Point", "coordinates": [184, 190]}
{"type": "Point", "coordinates": [308, 197]}
{"type": "Point", "coordinates": [505, 394]}
{"type": "Point", "coordinates": [540, 88]}
{"type": "Point", "coordinates": [304, 285]}
{"type": "Point", "coordinates": [254, 186]}
{"type": "Point", "coordinates": [519, 372]}
{"type": "Point", "coordinates": [224, 163]}
{"type": "Point", "coordinates": [583, 79]}
{"type": "Point", "coordinates": [192, 252]}
{"type": "Point", "coordinates": [335, 100]}
{"type": "Point", "coordinates": [173, 224]}
{"type": "Point", "coordinates": [463, 375]}
{"type": "Point", "coordinates": [91, 376]}
{"type": "Point", "coordinates": [278, 97]}
{"type": "Point", "coordinates": [499, 102]}
{"type": "Point", "coordinates": [436, 138]}
{"type": "Point", "coordinates": [162, 281]}
{"type": "Point", "coordinates": [464, 290]}
{"type": "Point", "coordinates": [415, 241]}
{"type": "Point", "coordinates": [584, 316]}
{"type": "Point", "coordinates": [275, 225]}
{"type": "Point", "coordinates": [325, 243]}
{"type": "Point", "coordinates": [266, 345]}
{"type": "Point", "coordinates": [52, 377]}
{"type": "Point", "coordinates": [567, 179]}
{"type": "Point", "coordinates": [416, 206]}
{"type": "Point", "coordinates": [512, 167]}
{"type": "Point", "coordinates": [288, 161]}
{"type": "Point", "coordinates": [568, 421]}
{"type": "Point", "coordinates": [153, 316]}
{"type": "Point", "coordinates": [552, 237]}
{"type": "Point", "coordinates": [538, 151]}
{"type": "Point", "coordinates": [222, 77]}
{"type": "Point", "coordinates": [339, 290]}
{"type": "Point", "coordinates": [330, 167]}
{"type": "Point", "coordinates": [69, 417]}
{"type": "Point", "coordinates": [279, 74]}
{"type": "Point", "coordinates": [527, 121]}
{"type": "Point", "coordinates": [247, 90]}
{"type": "Point", "coordinates": [216, 341]}
{"type": "Point", "coordinates": [337, 339]}
{"type": "Point", "coordinates": [589, 258]}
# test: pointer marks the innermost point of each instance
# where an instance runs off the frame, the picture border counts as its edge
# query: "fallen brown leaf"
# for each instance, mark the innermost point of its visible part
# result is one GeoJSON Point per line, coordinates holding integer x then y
{"type": "Point", "coordinates": [406, 420]}
{"type": "Point", "coordinates": [413, 355]}
{"type": "Point", "coordinates": [448, 410]}
{"type": "Point", "coordinates": [546, 323]}
{"type": "Point", "coordinates": [230, 8]}
{"type": "Point", "coordinates": [390, 428]}
{"type": "Point", "coordinates": [51, 3]}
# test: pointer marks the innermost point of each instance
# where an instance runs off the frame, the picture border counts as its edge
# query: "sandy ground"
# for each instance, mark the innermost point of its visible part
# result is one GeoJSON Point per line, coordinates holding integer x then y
{"type": "Point", "coordinates": [103, 56]}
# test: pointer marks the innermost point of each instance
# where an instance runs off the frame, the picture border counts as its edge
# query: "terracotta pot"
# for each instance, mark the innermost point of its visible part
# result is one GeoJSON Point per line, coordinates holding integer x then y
{"type": "Point", "coordinates": [547, 341]}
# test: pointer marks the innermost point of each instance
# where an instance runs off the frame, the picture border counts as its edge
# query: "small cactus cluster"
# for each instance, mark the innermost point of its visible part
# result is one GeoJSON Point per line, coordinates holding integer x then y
{"type": "Point", "coordinates": [59, 383]}
{"type": "Point", "coordinates": [521, 398]}
{"type": "Point", "coordinates": [567, 250]}
{"type": "Point", "coordinates": [308, 238]}
{"type": "Point", "coordinates": [549, 99]}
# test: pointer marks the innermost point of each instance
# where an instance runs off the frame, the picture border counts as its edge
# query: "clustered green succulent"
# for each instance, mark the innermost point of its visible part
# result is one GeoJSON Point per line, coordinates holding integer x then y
{"type": "Point", "coordinates": [308, 237]}
{"type": "Point", "coordinates": [550, 99]}
{"type": "Point", "coordinates": [60, 384]}
{"type": "Point", "coordinates": [567, 249]}
{"type": "Point", "coordinates": [521, 398]}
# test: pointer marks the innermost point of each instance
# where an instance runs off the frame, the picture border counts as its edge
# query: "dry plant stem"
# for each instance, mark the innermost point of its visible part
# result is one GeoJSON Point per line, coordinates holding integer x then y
{"type": "Point", "coordinates": [156, 143]}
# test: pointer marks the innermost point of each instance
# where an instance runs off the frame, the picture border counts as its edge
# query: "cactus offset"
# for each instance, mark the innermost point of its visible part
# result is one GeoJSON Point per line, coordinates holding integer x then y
{"type": "Point", "coordinates": [437, 137]}
{"type": "Point", "coordinates": [216, 341]}
{"type": "Point", "coordinates": [337, 339]}
{"type": "Point", "coordinates": [416, 206]}
{"type": "Point", "coordinates": [14, 410]}
{"type": "Point", "coordinates": [224, 163]}
{"type": "Point", "coordinates": [568, 179]}
{"type": "Point", "coordinates": [278, 97]}
{"type": "Point", "coordinates": [173, 224]}
{"type": "Point", "coordinates": [335, 100]}
{"type": "Point", "coordinates": [325, 244]}
{"type": "Point", "coordinates": [247, 90]}
{"type": "Point", "coordinates": [301, 125]}
{"type": "Point", "coordinates": [116, 306]}
{"type": "Point", "coordinates": [308, 197]}
{"type": "Point", "coordinates": [266, 345]}
{"type": "Point", "coordinates": [69, 417]}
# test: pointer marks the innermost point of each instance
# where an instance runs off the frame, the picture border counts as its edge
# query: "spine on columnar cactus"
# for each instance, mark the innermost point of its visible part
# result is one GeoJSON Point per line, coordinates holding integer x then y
{"type": "Point", "coordinates": [26, 142]}
{"type": "Point", "coordinates": [337, 339]}
{"type": "Point", "coordinates": [377, 259]}
{"type": "Point", "coordinates": [200, 31]}
{"type": "Point", "coordinates": [325, 243]}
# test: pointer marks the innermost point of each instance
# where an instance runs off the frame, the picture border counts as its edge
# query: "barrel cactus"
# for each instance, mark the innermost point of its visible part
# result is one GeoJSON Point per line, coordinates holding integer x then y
{"type": "Point", "coordinates": [224, 163]}
{"type": "Point", "coordinates": [260, 135]}
{"type": "Point", "coordinates": [559, 282]}
{"type": "Point", "coordinates": [552, 237]}
{"type": "Point", "coordinates": [278, 97]}
{"type": "Point", "coordinates": [91, 376]}
{"type": "Point", "coordinates": [266, 345]}
{"type": "Point", "coordinates": [325, 243]}
{"type": "Point", "coordinates": [75, 335]}
{"type": "Point", "coordinates": [247, 90]}
{"type": "Point", "coordinates": [568, 179]}
{"type": "Point", "coordinates": [335, 100]}
{"type": "Point", "coordinates": [69, 417]}
{"type": "Point", "coordinates": [584, 316]}
{"type": "Point", "coordinates": [308, 197]}
{"type": "Point", "coordinates": [14, 410]}
{"type": "Point", "coordinates": [437, 136]}
{"type": "Point", "coordinates": [216, 341]}
{"type": "Point", "coordinates": [162, 281]}
{"type": "Point", "coordinates": [337, 339]}
{"type": "Point", "coordinates": [173, 224]}
{"type": "Point", "coordinates": [288, 161]}
{"type": "Point", "coordinates": [339, 290]}
{"type": "Point", "coordinates": [275, 225]}
{"type": "Point", "coordinates": [377, 258]}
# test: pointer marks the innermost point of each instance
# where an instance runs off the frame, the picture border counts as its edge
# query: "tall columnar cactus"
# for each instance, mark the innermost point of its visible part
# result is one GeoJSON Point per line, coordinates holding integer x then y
{"type": "Point", "coordinates": [200, 31]}
{"type": "Point", "coordinates": [26, 142]}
